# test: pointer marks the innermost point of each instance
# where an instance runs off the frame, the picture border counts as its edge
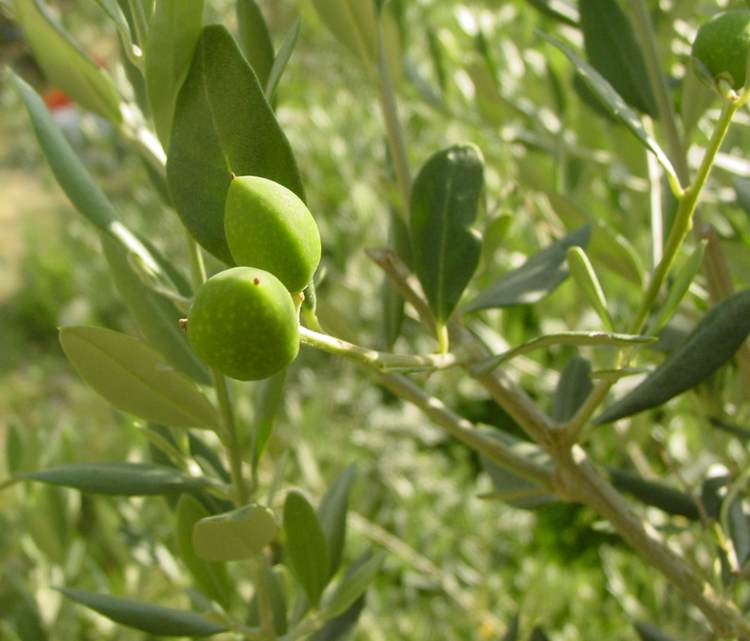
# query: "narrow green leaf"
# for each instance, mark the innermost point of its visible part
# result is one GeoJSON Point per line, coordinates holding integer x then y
{"type": "Point", "coordinates": [20, 613]}
{"type": "Point", "coordinates": [269, 399]}
{"type": "Point", "coordinates": [340, 627]}
{"type": "Point", "coordinates": [332, 515]}
{"type": "Point", "coordinates": [115, 13]}
{"type": "Point", "coordinates": [282, 58]}
{"type": "Point", "coordinates": [134, 378]}
{"type": "Point", "coordinates": [222, 125]}
{"type": "Point", "coordinates": [607, 339]}
{"type": "Point", "coordinates": [538, 634]}
{"type": "Point", "coordinates": [585, 277]}
{"type": "Point", "coordinates": [75, 181]}
{"type": "Point", "coordinates": [444, 206]}
{"type": "Point", "coordinates": [13, 449]}
{"type": "Point", "coordinates": [511, 488]}
{"type": "Point", "coordinates": [513, 630]}
{"type": "Point", "coordinates": [354, 24]}
{"type": "Point", "coordinates": [255, 39]}
{"type": "Point", "coordinates": [351, 586]}
{"type": "Point", "coordinates": [274, 587]}
{"type": "Point", "coordinates": [606, 247]}
{"type": "Point", "coordinates": [437, 57]}
{"type": "Point", "coordinates": [738, 527]}
{"type": "Point", "coordinates": [617, 105]}
{"type": "Point", "coordinates": [212, 578]}
{"type": "Point", "coordinates": [306, 546]}
{"type": "Point", "coordinates": [572, 389]}
{"type": "Point", "coordinates": [683, 278]}
{"type": "Point", "coordinates": [120, 479]}
{"type": "Point", "coordinates": [656, 494]}
{"type": "Point", "coordinates": [539, 276]}
{"type": "Point", "coordinates": [207, 456]}
{"type": "Point", "coordinates": [156, 316]}
{"type": "Point", "coordinates": [613, 50]}
{"type": "Point", "coordinates": [648, 632]}
{"type": "Point", "coordinates": [493, 237]}
{"type": "Point", "coordinates": [65, 63]}
{"type": "Point", "coordinates": [172, 35]}
{"type": "Point", "coordinates": [709, 346]}
{"type": "Point", "coordinates": [563, 11]}
{"type": "Point", "coordinates": [146, 617]}
{"type": "Point", "coordinates": [235, 535]}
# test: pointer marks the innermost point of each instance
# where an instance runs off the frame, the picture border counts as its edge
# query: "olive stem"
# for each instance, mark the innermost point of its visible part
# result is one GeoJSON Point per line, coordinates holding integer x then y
{"type": "Point", "coordinates": [394, 133]}
{"type": "Point", "coordinates": [680, 228]}
{"type": "Point", "coordinates": [228, 433]}
{"type": "Point", "coordinates": [382, 361]}
{"type": "Point", "coordinates": [645, 29]}
{"type": "Point", "coordinates": [683, 222]}
{"type": "Point", "coordinates": [265, 609]}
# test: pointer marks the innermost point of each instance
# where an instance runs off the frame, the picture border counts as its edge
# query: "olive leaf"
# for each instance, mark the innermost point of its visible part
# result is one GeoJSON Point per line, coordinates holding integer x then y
{"type": "Point", "coordinates": [75, 181]}
{"type": "Point", "coordinates": [274, 587]}
{"type": "Point", "coordinates": [655, 494]}
{"type": "Point", "coordinates": [539, 276]}
{"type": "Point", "coordinates": [584, 275]}
{"type": "Point", "coordinates": [212, 578]}
{"type": "Point", "coordinates": [444, 206]}
{"type": "Point", "coordinates": [604, 91]}
{"type": "Point", "coordinates": [173, 33]}
{"type": "Point", "coordinates": [572, 389]}
{"type": "Point", "coordinates": [235, 535]}
{"type": "Point", "coordinates": [354, 24]}
{"type": "Point", "coordinates": [511, 488]}
{"type": "Point", "coordinates": [153, 619]}
{"type": "Point", "coordinates": [332, 516]}
{"type": "Point", "coordinates": [223, 125]}
{"type": "Point", "coordinates": [306, 546]}
{"type": "Point", "coordinates": [709, 346]}
{"type": "Point", "coordinates": [612, 49]}
{"type": "Point", "coordinates": [269, 399]}
{"type": "Point", "coordinates": [134, 377]}
{"type": "Point", "coordinates": [65, 63]}
{"type": "Point", "coordinates": [606, 247]}
{"type": "Point", "coordinates": [352, 586]}
{"type": "Point", "coordinates": [282, 58]}
{"type": "Point", "coordinates": [488, 364]}
{"type": "Point", "coordinates": [118, 478]}
{"type": "Point", "coordinates": [648, 632]}
{"type": "Point", "coordinates": [254, 38]}
{"type": "Point", "coordinates": [682, 281]}
{"type": "Point", "coordinates": [564, 11]}
{"type": "Point", "coordinates": [156, 316]}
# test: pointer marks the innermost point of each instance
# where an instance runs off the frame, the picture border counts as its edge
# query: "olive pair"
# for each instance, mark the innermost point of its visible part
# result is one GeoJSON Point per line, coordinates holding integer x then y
{"type": "Point", "coordinates": [243, 321]}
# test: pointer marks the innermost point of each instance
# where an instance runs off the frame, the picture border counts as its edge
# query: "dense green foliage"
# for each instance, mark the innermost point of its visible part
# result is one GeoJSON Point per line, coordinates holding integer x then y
{"type": "Point", "coordinates": [466, 546]}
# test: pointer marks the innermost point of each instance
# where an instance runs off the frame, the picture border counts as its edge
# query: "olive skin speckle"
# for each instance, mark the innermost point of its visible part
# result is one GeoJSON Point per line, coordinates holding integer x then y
{"type": "Point", "coordinates": [244, 330]}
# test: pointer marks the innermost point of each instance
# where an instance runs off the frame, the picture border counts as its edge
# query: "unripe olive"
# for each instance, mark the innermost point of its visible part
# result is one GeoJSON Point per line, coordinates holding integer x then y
{"type": "Point", "coordinates": [243, 323]}
{"type": "Point", "coordinates": [269, 227]}
{"type": "Point", "coordinates": [722, 46]}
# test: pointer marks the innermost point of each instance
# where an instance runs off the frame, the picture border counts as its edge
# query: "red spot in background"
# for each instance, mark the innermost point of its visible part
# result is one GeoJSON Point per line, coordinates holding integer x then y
{"type": "Point", "coordinates": [56, 99]}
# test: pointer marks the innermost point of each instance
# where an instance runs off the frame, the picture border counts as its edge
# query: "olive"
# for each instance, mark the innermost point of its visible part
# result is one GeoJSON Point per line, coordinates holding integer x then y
{"type": "Point", "coordinates": [243, 323]}
{"type": "Point", "coordinates": [722, 45]}
{"type": "Point", "coordinates": [269, 227]}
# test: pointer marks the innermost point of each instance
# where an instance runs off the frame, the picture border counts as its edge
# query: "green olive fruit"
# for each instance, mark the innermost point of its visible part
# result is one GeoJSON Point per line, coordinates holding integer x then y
{"type": "Point", "coordinates": [243, 323]}
{"type": "Point", "coordinates": [269, 227]}
{"type": "Point", "coordinates": [722, 46]}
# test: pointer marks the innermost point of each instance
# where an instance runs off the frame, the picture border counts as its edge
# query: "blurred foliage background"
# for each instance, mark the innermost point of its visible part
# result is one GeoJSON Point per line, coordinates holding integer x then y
{"type": "Point", "coordinates": [459, 566]}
